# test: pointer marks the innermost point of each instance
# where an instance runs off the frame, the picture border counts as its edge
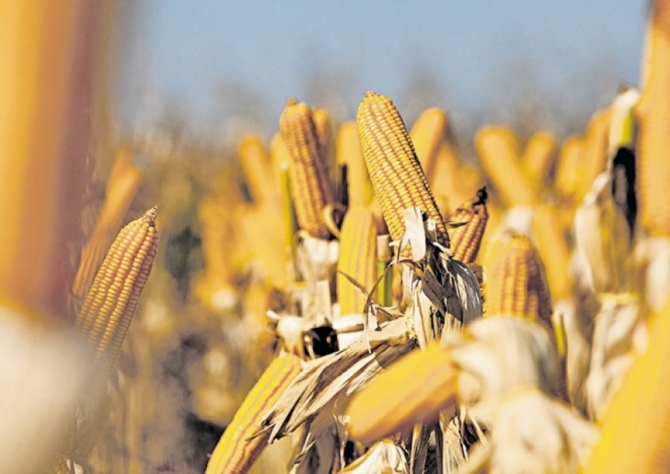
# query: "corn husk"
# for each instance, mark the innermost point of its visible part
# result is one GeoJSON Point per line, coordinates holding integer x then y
{"type": "Point", "coordinates": [508, 373]}
{"type": "Point", "coordinates": [532, 433]}
{"type": "Point", "coordinates": [577, 332]}
{"type": "Point", "coordinates": [383, 457]}
{"type": "Point", "coordinates": [498, 354]}
{"type": "Point", "coordinates": [619, 335]}
{"type": "Point", "coordinates": [602, 240]}
{"type": "Point", "coordinates": [634, 428]}
{"type": "Point", "coordinates": [652, 259]}
{"type": "Point", "coordinates": [321, 390]}
{"type": "Point", "coordinates": [316, 259]}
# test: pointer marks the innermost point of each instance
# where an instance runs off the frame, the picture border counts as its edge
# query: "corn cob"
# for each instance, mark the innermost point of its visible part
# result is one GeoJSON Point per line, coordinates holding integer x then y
{"type": "Point", "coordinates": [653, 115]}
{"type": "Point", "coordinates": [426, 135]}
{"type": "Point", "coordinates": [217, 235]}
{"type": "Point", "coordinates": [498, 150]}
{"type": "Point", "coordinates": [358, 258]}
{"type": "Point", "coordinates": [111, 302]}
{"type": "Point", "coordinates": [244, 439]}
{"type": "Point", "coordinates": [444, 180]}
{"type": "Point", "coordinates": [594, 152]}
{"type": "Point", "coordinates": [122, 186]}
{"type": "Point", "coordinates": [568, 168]}
{"type": "Point", "coordinates": [44, 92]}
{"type": "Point", "coordinates": [553, 250]}
{"type": "Point", "coordinates": [256, 168]}
{"type": "Point", "coordinates": [324, 130]}
{"type": "Point", "coordinates": [466, 239]}
{"type": "Point", "coordinates": [310, 186]}
{"type": "Point", "coordinates": [395, 172]}
{"type": "Point", "coordinates": [256, 224]}
{"type": "Point", "coordinates": [349, 153]}
{"type": "Point", "coordinates": [634, 429]}
{"type": "Point", "coordinates": [515, 283]}
{"type": "Point", "coordinates": [412, 390]}
{"type": "Point", "coordinates": [536, 160]}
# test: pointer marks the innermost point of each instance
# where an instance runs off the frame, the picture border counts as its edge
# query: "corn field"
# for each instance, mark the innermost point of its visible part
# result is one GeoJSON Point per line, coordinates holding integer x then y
{"type": "Point", "coordinates": [350, 296]}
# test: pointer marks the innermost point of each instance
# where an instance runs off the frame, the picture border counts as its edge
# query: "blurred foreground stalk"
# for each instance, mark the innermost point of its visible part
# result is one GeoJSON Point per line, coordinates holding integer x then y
{"type": "Point", "coordinates": [47, 49]}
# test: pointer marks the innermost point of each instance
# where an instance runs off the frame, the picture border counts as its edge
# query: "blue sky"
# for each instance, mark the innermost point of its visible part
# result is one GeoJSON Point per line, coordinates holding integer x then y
{"type": "Point", "coordinates": [211, 60]}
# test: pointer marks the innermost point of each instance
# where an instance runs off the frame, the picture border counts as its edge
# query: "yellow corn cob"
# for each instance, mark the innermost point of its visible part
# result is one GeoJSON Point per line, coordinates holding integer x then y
{"type": "Point", "coordinates": [470, 180]}
{"type": "Point", "coordinates": [217, 237]}
{"type": "Point", "coordinates": [243, 440]}
{"type": "Point", "coordinates": [44, 91]}
{"type": "Point", "coordinates": [653, 115]}
{"type": "Point", "coordinates": [349, 153]}
{"type": "Point", "coordinates": [122, 186]}
{"type": "Point", "coordinates": [568, 168]}
{"type": "Point", "coordinates": [444, 180]}
{"type": "Point", "coordinates": [466, 239]}
{"type": "Point", "coordinates": [426, 134]}
{"type": "Point", "coordinates": [593, 155]}
{"type": "Point", "coordinates": [358, 258]}
{"type": "Point", "coordinates": [494, 222]}
{"type": "Point", "coordinates": [498, 150]}
{"type": "Point", "coordinates": [324, 130]}
{"type": "Point", "coordinates": [395, 172]}
{"type": "Point", "coordinates": [515, 283]}
{"type": "Point", "coordinates": [257, 171]}
{"type": "Point", "coordinates": [111, 302]}
{"type": "Point", "coordinates": [310, 186]}
{"type": "Point", "coordinates": [537, 158]}
{"type": "Point", "coordinates": [412, 390]}
{"type": "Point", "coordinates": [256, 224]}
{"type": "Point", "coordinates": [553, 250]}
{"type": "Point", "coordinates": [634, 428]}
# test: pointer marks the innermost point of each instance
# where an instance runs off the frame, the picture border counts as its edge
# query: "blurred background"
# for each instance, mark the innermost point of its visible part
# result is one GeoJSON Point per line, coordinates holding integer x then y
{"type": "Point", "coordinates": [209, 63]}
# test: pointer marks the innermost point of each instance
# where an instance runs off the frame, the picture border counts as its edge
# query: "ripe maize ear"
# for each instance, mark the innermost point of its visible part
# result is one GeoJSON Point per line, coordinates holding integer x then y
{"type": "Point", "coordinates": [122, 186]}
{"type": "Point", "coordinates": [244, 439]}
{"type": "Point", "coordinates": [426, 134]}
{"type": "Point", "coordinates": [594, 152]}
{"type": "Point", "coordinates": [515, 282]}
{"type": "Point", "coordinates": [466, 239]}
{"type": "Point", "coordinates": [553, 250]}
{"type": "Point", "coordinates": [634, 428]}
{"type": "Point", "coordinates": [537, 157]}
{"type": "Point", "coordinates": [256, 168]}
{"type": "Point", "coordinates": [324, 130]}
{"type": "Point", "coordinates": [357, 259]}
{"type": "Point", "coordinates": [498, 150]}
{"type": "Point", "coordinates": [444, 180]}
{"type": "Point", "coordinates": [111, 302]}
{"type": "Point", "coordinates": [397, 178]}
{"type": "Point", "coordinates": [412, 390]}
{"type": "Point", "coordinates": [310, 186]}
{"type": "Point", "coordinates": [349, 153]}
{"type": "Point", "coordinates": [44, 92]}
{"type": "Point", "coordinates": [653, 116]}
{"type": "Point", "coordinates": [568, 169]}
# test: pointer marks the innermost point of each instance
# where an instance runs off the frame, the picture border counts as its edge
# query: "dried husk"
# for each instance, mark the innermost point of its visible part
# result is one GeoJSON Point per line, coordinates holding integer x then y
{"type": "Point", "coordinates": [323, 387]}
{"type": "Point", "coordinates": [508, 372]}
{"type": "Point", "coordinates": [619, 335]}
{"type": "Point", "coordinates": [384, 457]}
